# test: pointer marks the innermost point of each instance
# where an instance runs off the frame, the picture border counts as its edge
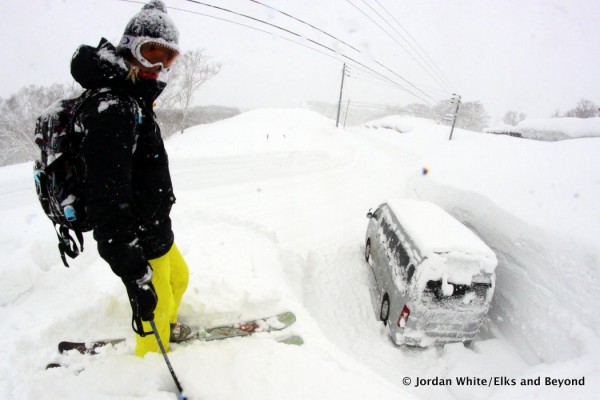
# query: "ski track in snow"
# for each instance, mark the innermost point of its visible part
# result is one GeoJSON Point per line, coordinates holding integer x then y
{"type": "Point", "coordinates": [274, 223]}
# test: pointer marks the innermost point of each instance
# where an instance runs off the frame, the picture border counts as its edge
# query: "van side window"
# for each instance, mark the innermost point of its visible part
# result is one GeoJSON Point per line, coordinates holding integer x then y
{"type": "Point", "coordinates": [402, 256]}
{"type": "Point", "coordinates": [409, 273]}
{"type": "Point", "coordinates": [389, 233]}
{"type": "Point", "coordinates": [396, 247]}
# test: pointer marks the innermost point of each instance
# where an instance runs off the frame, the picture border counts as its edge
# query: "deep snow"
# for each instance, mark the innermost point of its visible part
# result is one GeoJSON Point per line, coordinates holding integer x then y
{"type": "Point", "coordinates": [551, 129]}
{"type": "Point", "coordinates": [559, 128]}
{"type": "Point", "coordinates": [270, 215]}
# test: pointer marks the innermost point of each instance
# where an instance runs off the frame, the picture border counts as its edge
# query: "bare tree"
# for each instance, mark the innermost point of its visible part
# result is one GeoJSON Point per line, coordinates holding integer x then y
{"type": "Point", "coordinates": [191, 71]}
{"type": "Point", "coordinates": [513, 117]}
{"type": "Point", "coordinates": [420, 110]}
{"type": "Point", "coordinates": [472, 116]}
{"type": "Point", "coordinates": [584, 109]}
{"type": "Point", "coordinates": [443, 111]}
{"type": "Point", "coordinates": [18, 114]}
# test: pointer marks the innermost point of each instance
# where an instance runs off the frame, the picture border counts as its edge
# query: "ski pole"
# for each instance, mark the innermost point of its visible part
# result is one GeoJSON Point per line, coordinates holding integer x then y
{"type": "Point", "coordinates": [180, 394]}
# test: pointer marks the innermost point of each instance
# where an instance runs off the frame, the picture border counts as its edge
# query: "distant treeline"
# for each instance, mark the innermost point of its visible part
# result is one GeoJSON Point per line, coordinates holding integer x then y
{"type": "Point", "coordinates": [472, 115]}
{"type": "Point", "coordinates": [19, 112]}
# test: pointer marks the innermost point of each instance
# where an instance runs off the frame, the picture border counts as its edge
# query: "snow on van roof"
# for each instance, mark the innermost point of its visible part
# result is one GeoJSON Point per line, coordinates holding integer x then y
{"type": "Point", "coordinates": [433, 230]}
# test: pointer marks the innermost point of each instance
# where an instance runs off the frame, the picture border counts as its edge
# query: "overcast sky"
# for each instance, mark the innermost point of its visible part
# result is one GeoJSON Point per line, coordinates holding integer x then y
{"type": "Point", "coordinates": [533, 56]}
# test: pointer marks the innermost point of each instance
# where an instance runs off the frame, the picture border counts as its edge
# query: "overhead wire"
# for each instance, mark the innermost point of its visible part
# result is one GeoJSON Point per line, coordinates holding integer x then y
{"type": "Point", "coordinates": [296, 35]}
{"type": "Point", "coordinates": [438, 91]}
{"type": "Point", "coordinates": [393, 38]}
{"type": "Point", "coordinates": [367, 76]}
{"type": "Point", "coordinates": [318, 29]}
{"type": "Point", "coordinates": [242, 25]}
{"type": "Point", "coordinates": [305, 23]}
{"type": "Point", "coordinates": [366, 104]}
{"type": "Point", "coordinates": [260, 21]}
{"type": "Point", "coordinates": [390, 108]}
{"type": "Point", "coordinates": [432, 72]}
{"type": "Point", "coordinates": [426, 55]}
{"type": "Point", "coordinates": [359, 74]}
{"type": "Point", "coordinates": [423, 94]}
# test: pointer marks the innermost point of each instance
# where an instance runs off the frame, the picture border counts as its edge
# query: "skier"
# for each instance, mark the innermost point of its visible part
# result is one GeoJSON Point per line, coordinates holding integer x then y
{"type": "Point", "coordinates": [126, 180]}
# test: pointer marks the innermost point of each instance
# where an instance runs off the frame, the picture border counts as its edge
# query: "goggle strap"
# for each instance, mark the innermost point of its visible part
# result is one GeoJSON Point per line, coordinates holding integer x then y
{"type": "Point", "coordinates": [135, 43]}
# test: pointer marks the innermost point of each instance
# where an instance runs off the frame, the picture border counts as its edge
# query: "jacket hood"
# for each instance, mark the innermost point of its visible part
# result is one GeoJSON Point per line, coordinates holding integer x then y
{"type": "Point", "coordinates": [101, 66]}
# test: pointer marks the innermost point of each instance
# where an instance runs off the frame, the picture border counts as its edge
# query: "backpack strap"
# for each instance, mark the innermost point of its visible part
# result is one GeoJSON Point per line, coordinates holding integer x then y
{"type": "Point", "coordinates": [66, 244]}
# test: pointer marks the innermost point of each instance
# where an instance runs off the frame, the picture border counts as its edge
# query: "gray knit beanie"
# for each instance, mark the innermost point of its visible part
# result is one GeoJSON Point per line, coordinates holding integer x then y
{"type": "Point", "coordinates": [152, 22]}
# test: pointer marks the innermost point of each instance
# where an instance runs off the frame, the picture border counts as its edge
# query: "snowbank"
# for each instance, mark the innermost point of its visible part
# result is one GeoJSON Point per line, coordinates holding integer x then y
{"type": "Point", "coordinates": [535, 204]}
{"type": "Point", "coordinates": [270, 216]}
{"type": "Point", "coordinates": [399, 123]}
{"type": "Point", "coordinates": [551, 129]}
{"type": "Point", "coordinates": [258, 132]}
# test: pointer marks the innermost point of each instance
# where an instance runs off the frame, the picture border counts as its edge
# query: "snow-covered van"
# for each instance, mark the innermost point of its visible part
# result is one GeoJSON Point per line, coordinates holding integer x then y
{"type": "Point", "coordinates": [433, 278]}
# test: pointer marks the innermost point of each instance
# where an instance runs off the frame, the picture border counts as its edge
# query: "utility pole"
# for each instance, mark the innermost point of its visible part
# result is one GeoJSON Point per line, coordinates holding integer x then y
{"type": "Point", "coordinates": [346, 115]}
{"type": "Point", "coordinates": [455, 99]}
{"type": "Point", "coordinates": [337, 120]}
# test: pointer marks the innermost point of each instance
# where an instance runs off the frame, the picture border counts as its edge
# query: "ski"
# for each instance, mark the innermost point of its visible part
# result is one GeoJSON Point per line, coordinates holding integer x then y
{"type": "Point", "coordinates": [87, 347]}
{"type": "Point", "coordinates": [270, 324]}
{"type": "Point", "coordinates": [294, 340]}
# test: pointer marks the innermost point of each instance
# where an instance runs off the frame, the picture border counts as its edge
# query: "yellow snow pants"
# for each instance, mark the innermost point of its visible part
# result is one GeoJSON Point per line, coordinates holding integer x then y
{"type": "Point", "coordinates": [170, 278]}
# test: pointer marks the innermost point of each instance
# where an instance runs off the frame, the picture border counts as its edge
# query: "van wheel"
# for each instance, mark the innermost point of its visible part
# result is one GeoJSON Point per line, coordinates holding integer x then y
{"type": "Point", "coordinates": [368, 250]}
{"type": "Point", "coordinates": [384, 314]}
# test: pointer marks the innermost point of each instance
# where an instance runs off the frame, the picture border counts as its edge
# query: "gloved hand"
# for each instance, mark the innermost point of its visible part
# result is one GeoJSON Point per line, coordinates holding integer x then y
{"type": "Point", "coordinates": [143, 299]}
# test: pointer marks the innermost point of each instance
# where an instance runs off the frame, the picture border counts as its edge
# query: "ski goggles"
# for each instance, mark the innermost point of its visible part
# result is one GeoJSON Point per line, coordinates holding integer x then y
{"type": "Point", "coordinates": [151, 52]}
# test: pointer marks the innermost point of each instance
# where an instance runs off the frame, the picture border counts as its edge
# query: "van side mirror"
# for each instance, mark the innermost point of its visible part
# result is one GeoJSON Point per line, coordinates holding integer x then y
{"type": "Point", "coordinates": [369, 214]}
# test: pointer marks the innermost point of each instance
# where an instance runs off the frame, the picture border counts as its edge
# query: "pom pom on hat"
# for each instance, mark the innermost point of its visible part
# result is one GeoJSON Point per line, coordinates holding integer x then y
{"type": "Point", "coordinates": [151, 22]}
{"type": "Point", "coordinates": [155, 5]}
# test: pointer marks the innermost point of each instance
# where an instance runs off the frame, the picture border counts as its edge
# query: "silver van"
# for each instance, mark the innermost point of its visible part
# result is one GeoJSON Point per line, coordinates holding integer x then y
{"type": "Point", "coordinates": [433, 278]}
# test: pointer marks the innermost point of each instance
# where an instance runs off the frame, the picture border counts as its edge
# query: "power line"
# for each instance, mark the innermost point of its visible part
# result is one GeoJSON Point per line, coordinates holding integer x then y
{"type": "Point", "coordinates": [415, 41]}
{"type": "Point", "coordinates": [365, 78]}
{"type": "Point", "coordinates": [242, 25]}
{"type": "Point", "coordinates": [361, 74]}
{"type": "Point", "coordinates": [304, 22]}
{"type": "Point", "coordinates": [410, 45]}
{"type": "Point", "coordinates": [411, 113]}
{"type": "Point", "coordinates": [380, 64]}
{"type": "Point", "coordinates": [322, 45]}
{"type": "Point", "coordinates": [262, 22]}
{"type": "Point", "coordinates": [381, 76]}
{"type": "Point", "coordinates": [438, 91]}
{"type": "Point", "coordinates": [375, 105]}
{"type": "Point", "coordinates": [393, 38]}
{"type": "Point", "coordinates": [214, 17]}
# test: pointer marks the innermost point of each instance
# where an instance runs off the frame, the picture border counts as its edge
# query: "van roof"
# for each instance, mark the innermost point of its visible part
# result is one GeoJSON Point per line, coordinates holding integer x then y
{"type": "Point", "coordinates": [433, 230]}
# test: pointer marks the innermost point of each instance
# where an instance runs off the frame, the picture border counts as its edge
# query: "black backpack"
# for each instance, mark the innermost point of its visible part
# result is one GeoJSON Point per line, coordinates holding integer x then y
{"type": "Point", "coordinates": [57, 172]}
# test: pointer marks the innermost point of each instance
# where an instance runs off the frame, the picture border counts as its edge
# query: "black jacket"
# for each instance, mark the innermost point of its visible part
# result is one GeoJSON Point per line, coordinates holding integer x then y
{"type": "Point", "coordinates": [126, 179]}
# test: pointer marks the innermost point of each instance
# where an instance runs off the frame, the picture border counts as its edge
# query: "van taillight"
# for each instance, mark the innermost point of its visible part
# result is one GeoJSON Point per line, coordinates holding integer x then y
{"type": "Point", "coordinates": [403, 317]}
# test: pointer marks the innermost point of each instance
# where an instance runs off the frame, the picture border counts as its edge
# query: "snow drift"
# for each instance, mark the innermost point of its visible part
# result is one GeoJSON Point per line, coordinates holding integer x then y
{"type": "Point", "coordinates": [270, 217]}
{"type": "Point", "coordinates": [551, 129]}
